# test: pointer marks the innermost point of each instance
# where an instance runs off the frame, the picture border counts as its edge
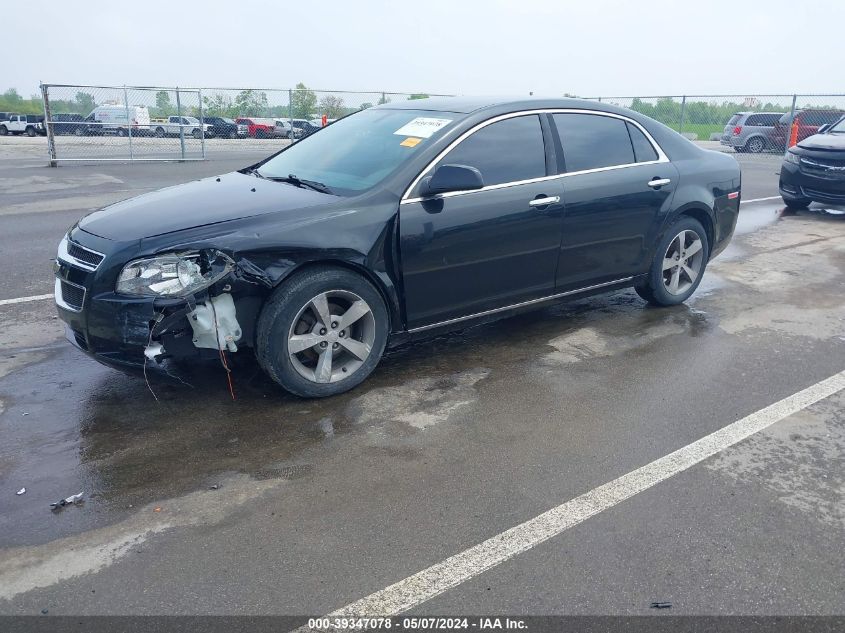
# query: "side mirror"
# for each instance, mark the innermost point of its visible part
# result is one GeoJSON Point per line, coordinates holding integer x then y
{"type": "Point", "coordinates": [448, 178]}
{"type": "Point", "coordinates": [823, 128]}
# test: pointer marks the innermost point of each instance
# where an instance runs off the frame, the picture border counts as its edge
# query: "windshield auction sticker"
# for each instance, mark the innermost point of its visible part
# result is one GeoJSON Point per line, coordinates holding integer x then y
{"type": "Point", "coordinates": [422, 127]}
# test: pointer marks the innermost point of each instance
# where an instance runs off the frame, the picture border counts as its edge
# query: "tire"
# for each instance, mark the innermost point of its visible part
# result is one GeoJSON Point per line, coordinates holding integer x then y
{"type": "Point", "coordinates": [796, 204]}
{"type": "Point", "coordinates": [160, 132]}
{"type": "Point", "coordinates": [755, 145]}
{"type": "Point", "coordinates": [657, 289]}
{"type": "Point", "coordinates": [197, 134]}
{"type": "Point", "coordinates": [291, 314]}
{"type": "Point", "coordinates": [260, 134]}
{"type": "Point", "coordinates": [233, 135]}
{"type": "Point", "coordinates": [3, 130]}
{"type": "Point", "coordinates": [79, 131]}
{"type": "Point", "coordinates": [121, 131]}
{"type": "Point", "coordinates": [30, 131]}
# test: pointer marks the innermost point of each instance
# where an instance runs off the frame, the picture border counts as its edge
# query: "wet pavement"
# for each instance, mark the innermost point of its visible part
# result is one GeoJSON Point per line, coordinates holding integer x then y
{"type": "Point", "coordinates": [272, 504]}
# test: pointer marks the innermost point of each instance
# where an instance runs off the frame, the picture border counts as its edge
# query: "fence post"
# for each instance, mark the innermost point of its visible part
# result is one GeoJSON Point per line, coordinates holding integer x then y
{"type": "Point", "coordinates": [383, 99]}
{"type": "Point", "coordinates": [787, 133]}
{"type": "Point", "coordinates": [683, 108]}
{"type": "Point", "coordinates": [599, 99]}
{"type": "Point", "coordinates": [181, 128]}
{"type": "Point", "coordinates": [48, 124]}
{"type": "Point", "coordinates": [128, 122]}
{"type": "Point", "coordinates": [202, 124]}
{"type": "Point", "coordinates": [290, 110]}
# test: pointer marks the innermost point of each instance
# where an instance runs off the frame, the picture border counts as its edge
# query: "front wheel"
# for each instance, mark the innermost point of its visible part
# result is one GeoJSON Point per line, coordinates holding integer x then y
{"type": "Point", "coordinates": [197, 134]}
{"type": "Point", "coordinates": [679, 262]}
{"type": "Point", "coordinates": [121, 131]}
{"type": "Point", "coordinates": [322, 332]}
{"type": "Point", "coordinates": [3, 130]}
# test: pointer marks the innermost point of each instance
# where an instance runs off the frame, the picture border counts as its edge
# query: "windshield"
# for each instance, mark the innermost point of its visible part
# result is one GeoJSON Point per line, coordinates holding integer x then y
{"type": "Point", "coordinates": [838, 128]}
{"type": "Point", "coordinates": [360, 150]}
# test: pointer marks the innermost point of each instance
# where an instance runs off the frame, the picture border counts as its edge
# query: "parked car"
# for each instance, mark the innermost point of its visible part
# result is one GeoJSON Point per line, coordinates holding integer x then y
{"type": "Point", "coordinates": [814, 169]}
{"type": "Point", "coordinates": [808, 122]}
{"type": "Point", "coordinates": [285, 130]}
{"type": "Point", "coordinates": [118, 119]}
{"type": "Point", "coordinates": [392, 223]}
{"type": "Point", "coordinates": [750, 131]}
{"type": "Point", "coordinates": [305, 127]}
{"type": "Point", "coordinates": [178, 126]}
{"type": "Point", "coordinates": [66, 124]}
{"type": "Point", "coordinates": [258, 128]}
{"type": "Point", "coordinates": [29, 124]}
{"type": "Point", "coordinates": [221, 127]}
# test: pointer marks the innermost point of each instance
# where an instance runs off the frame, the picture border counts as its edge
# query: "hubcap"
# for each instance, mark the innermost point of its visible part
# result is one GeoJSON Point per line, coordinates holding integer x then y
{"type": "Point", "coordinates": [331, 336]}
{"type": "Point", "coordinates": [682, 262]}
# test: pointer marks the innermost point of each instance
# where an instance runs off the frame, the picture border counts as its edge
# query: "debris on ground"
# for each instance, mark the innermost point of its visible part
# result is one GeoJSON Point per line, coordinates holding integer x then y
{"type": "Point", "coordinates": [157, 509]}
{"type": "Point", "coordinates": [661, 605]}
{"type": "Point", "coordinates": [214, 487]}
{"type": "Point", "coordinates": [61, 503]}
{"type": "Point", "coordinates": [20, 492]}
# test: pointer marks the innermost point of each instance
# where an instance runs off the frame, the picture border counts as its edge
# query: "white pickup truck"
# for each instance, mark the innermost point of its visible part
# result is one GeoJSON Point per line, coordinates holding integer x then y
{"type": "Point", "coordinates": [29, 124]}
{"type": "Point", "coordinates": [172, 124]}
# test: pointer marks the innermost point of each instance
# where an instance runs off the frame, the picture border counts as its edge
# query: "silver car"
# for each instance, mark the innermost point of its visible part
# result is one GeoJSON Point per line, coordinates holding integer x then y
{"type": "Point", "coordinates": [750, 131]}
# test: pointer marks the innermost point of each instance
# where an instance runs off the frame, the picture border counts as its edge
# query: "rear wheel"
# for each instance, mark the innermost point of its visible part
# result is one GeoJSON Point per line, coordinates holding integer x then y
{"type": "Point", "coordinates": [121, 131]}
{"type": "Point", "coordinates": [233, 134]}
{"type": "Point", "coordinates": [755, 145]}
{"type": "Point", "coordinates": [679, 262]}
{"type": "Point", "coordinates": [260, 134]}
{"type": "Point", "coordinates": [160, 132]}
{"type": "Point", "coordinates": [322, 332]}
{"type": "Point", "coordinates": [79, 131]}
{"type": "Point", "coordinates": [30, 131]}
{"type": "Point", "coordinates": [197, 134]}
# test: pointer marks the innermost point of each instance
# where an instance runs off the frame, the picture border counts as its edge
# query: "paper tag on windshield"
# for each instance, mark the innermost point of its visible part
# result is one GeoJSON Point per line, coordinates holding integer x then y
{"type": "Point", "coordinates": [422, 127]}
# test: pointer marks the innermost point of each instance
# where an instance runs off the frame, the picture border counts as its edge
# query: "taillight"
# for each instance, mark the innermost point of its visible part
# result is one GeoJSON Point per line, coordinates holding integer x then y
{"type": "Point", "coordinates": [737, 130]}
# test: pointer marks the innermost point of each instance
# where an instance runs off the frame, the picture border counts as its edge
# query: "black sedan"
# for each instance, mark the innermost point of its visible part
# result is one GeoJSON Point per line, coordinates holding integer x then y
{"type": "Point", "coordinates": [399, 220]}
{"type": "Point", "coordinates": [814, 170]}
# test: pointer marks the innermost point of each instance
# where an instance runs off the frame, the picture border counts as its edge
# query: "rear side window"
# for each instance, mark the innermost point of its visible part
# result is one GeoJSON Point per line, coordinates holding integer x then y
{"type": "Point", "coordinates": [591, 141]}
{"type": "Point", "coordinates": [734, 119]}
{"type": "Point", "coordinates": [505, 151]}
{"type": "Point", "coordinates": [643, 149]}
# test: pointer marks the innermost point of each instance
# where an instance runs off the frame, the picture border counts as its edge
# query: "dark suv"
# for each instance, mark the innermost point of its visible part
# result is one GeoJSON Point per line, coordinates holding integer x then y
{"type": "Point", "coordinates": [814, 170]}
{"type": "Point", "coordinates": [221, 127]}
{"type": "Point", "coordinates": [69, 124]}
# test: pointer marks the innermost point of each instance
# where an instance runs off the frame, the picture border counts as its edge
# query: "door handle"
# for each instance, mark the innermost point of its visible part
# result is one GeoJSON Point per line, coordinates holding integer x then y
{"type": "Point", "coordinates": [656, 183]}
{"type": "Point", "coordinates": [543, 202]}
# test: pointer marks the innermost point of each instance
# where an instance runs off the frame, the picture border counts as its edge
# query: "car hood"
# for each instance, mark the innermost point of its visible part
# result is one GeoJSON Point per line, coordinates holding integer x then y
{"type": "Point", "coordinates": [199, 203]}
{"type": "Point", "coordinates": [824, 141]}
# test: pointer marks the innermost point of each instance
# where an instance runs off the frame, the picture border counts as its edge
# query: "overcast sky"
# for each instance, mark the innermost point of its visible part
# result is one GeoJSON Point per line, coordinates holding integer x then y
{"type": "Point", "coordinates": [583, 47]}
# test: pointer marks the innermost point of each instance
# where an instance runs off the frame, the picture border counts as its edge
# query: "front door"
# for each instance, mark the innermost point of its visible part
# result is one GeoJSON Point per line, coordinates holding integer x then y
{"type": "Point", "coordinates": [472, 251]}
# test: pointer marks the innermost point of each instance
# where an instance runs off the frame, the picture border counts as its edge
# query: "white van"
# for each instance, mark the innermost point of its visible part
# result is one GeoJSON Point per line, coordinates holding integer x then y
{"type": "Point", "coordinates": [118, 119]}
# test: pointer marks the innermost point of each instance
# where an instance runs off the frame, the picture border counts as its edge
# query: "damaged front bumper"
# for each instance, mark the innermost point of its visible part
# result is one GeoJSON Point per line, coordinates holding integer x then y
{"type": "Point", "coordinates": [126, 332]}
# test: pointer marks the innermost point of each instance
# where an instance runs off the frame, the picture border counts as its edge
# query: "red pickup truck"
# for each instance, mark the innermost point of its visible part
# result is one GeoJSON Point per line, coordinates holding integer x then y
{"type": "Point", "coordinates": [808, 122]}
{"type": "Point", "coordinates": [258, 128]}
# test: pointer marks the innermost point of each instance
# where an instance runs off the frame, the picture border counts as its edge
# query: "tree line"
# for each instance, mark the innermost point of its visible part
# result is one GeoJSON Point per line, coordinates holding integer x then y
{"type": "Point", "coordinates": [304, 104]}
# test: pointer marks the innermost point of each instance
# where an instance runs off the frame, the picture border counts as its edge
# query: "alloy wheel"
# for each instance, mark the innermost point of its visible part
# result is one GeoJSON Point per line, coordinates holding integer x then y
{"type": "Point", "coordinates": [331, 336]}
{"type": "Point", "coordinates": [683, 262]}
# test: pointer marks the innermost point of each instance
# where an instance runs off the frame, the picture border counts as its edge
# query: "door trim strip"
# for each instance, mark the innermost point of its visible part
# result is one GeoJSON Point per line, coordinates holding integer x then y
{"type": "Point", "coordinates": [431, 326]}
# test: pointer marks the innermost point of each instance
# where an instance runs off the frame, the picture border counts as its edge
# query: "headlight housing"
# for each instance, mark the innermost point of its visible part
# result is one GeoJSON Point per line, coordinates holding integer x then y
{"type": "Point", "coordinates": [173, 275]}
{"type": "Point", "coordinates": [792, 157]}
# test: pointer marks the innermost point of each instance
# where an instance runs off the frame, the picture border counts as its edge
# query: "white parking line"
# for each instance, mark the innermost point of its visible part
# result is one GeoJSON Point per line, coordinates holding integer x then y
{"type": "Point", "coordinates": [6, 302]}
{"type": "Point", "coordinates": [759, 199]}
{"type": "Point", "coordinates": [453, 571]}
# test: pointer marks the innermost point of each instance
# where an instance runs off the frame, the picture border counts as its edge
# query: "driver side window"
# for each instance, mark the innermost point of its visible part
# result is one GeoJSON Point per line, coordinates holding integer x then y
{"type": "Point", "coordinates": [506, 151]}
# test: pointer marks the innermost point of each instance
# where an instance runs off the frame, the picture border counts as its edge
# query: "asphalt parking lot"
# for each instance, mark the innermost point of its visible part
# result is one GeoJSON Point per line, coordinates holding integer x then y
{"type": "Point", "coordinates": [273, 505]}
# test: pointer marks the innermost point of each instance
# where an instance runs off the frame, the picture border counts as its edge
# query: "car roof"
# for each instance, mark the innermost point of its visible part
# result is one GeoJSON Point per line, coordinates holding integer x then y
{"type": "Point", "coordinates": [466, 105]}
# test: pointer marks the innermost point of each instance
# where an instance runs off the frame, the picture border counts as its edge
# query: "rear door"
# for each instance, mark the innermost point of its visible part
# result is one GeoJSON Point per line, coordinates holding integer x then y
{"type": "Point", "coordinates": [468, 252]}
{"type": "Point", "coordinates": [614, 199]}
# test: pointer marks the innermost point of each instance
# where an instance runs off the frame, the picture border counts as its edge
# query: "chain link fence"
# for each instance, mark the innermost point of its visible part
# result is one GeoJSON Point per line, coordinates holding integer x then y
{"type": "Point", "coordinates": [764, 125]}
{"type": "Point", "coordinates": [122, 123]}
